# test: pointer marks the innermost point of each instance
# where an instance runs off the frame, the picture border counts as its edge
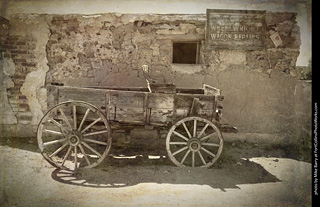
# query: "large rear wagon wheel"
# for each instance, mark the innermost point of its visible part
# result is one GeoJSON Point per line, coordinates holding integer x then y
{"type": "Point", "coordinates": [194, 142]}
{"type": "Point", "coordinates": [74, 134]}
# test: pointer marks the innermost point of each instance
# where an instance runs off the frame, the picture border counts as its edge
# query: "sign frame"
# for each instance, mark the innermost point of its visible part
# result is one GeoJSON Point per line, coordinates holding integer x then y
{"type": "Point", "coordinates": [235, 29]}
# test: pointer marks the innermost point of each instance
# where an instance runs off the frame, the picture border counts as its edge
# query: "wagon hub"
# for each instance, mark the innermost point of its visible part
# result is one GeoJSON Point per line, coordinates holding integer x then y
{"type": "Point", "coordinates": [194, 144]}
{"type": "Point", "coordinates": [74, 140]}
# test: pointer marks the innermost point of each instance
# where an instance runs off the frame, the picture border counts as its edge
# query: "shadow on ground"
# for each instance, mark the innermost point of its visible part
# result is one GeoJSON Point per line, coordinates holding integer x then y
{"type": "Point", "coordinates": [232, 169]}
{"type": "Point", "coordinates": [115, 172]}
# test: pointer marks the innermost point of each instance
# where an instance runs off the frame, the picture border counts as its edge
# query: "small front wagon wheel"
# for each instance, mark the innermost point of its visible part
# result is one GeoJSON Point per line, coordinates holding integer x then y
{"type": "Point", "coordinates": [194, 142]}
{"type": "Point", "coordinates": [74, 134]}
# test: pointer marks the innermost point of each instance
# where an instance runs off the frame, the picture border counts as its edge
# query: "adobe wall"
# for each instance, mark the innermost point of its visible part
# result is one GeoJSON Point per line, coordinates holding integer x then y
{"type": "Point", "coordinates": [265, 93]}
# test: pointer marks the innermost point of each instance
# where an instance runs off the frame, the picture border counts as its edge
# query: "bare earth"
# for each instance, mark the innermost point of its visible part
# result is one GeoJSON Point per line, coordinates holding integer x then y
{"type": "Point", "coordinates": [245, 175]}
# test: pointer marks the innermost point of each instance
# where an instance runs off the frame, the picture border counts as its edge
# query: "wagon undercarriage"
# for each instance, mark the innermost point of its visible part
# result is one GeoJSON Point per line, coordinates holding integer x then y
{"type": "Point", "coordinates": [76, 131]}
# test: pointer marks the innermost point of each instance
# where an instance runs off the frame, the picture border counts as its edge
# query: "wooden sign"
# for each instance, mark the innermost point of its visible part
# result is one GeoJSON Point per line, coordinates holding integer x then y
{"type": "Point", "coordinates": [235, 29]}
{"type": "Point", "coordinates": [276, 39]}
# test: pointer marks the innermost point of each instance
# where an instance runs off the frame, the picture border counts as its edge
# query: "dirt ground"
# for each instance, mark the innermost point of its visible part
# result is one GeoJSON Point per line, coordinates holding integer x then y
{"type": "Point", "coordinates": [247, 174]}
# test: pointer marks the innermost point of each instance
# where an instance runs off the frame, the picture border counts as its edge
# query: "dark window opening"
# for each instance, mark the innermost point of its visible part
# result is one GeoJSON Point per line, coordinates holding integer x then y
{"type": "Point", "coordinates": [185, 52]}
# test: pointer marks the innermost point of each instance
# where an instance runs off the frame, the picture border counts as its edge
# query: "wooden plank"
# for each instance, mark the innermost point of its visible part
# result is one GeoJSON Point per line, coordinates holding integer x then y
{"type": "Point", "coordinates": [209, 90]}
{"type": "Point", "coordinates": [162, 88]}
{"type": "Point", "coordinates": [182, 113]}
{"type": "Point", "coordinates": [127, 115]}
{"type": "Point", "coordinates": [127, 99]}
{"type": "Point", "coordinates": [161, 107]}
{"type": "Point", "coordinates": [93, 96]}
{"type": "Point", "coordinates": [161, 115]}
{"type": "Point", "coordinates": [112, 88]}
{"type": "Point", "coordinates": [160, 101]}
{"type": "Point", "coordinates": [134, 107]}
{"type": "Point", "coordinates": [186, 100]}
{"type": "Point", "coordinates": [126, 106]}
{"type": "Point", "coordinates": [219, 102]}
{"type": "Point", "coordinates": [190, 90]}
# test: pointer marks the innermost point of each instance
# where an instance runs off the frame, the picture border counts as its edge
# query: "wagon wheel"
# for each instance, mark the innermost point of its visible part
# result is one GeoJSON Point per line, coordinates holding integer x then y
{"type": "Point", "coordinates": [194, 142]}
{"type": "Point", "coordinates": [74, 134]}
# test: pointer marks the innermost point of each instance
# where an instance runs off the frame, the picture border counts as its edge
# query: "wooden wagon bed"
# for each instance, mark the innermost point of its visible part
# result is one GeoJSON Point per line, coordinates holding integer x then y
{"type": "Point", "coordinates": [76, 131]}
{"type": "Point", "coordinates": [137, 106]}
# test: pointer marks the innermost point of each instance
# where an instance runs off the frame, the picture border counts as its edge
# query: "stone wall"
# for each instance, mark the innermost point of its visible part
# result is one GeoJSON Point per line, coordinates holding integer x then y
{"type": "Point", "coordinates": [7, 69]}
{"type": "Point", "coordinates": [263, 90]}
{"type": "Point", "coordinates": [110, 49]}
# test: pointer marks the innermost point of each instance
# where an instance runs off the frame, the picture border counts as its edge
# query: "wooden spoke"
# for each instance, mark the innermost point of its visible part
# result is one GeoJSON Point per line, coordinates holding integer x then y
{"type": "Point", "coordinates": [207, 137]}
{"type": "Point", "coordinates": [185, 156]}
{"type": "Point", "coordinates": [195, 128]}
{"type": "Point", "coordinates": [58, 125]}
{"type": "Point", "coordinates": [201, 137]}
{"type": "Point", "coordinates": [76, 141]}
{"type": "Point", "coordinates": [193, 159]}
{"type": "Point", "coordinates": [201, 157]}
{"type": "Point", "coordinates": [55, 141]}
{"type": "Point", "coordinates": [187, 130]}
{"type": "Point", "coordinates": [84, 154]}
{"type": "Point", "coordinates": [180, 150]}
{"type": "Point", "coordinates": [66, 155]}
{"type": "Point", "coordinates": [203, 130]}
{"type": "Point", "coordinates": [75, 157]}
{"type": "Point", "coordinates": [74, 117]}
{"type": "Point", "coordinates": [59, 149]}
{"type": "Point", "coordinates": [90, 148]}
{"type": "Point", "coordinates": [207, 151]}
{"type": "Point", "coordinates": [96, 141]}
{"type": "Point", "coordinates": [180, 135]}
{"type": "Point", "coordinates": [211, 144]}
{"type": "Point", "coordinates": [179, 143]}
{"type": "Point", "coordinates": [64, 117]}
{"type": "Point", "coordinates": [83, 119]}
{"type": "Point", "coordinates": [90, 125]}
{"type": "Point", "coordinates": [95, 133]}
{"type": "Point", "coordinates": [52, 132]}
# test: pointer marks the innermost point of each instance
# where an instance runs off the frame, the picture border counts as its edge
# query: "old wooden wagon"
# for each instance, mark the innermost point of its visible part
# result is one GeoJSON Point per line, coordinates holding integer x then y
{"type": "Point", "coordinates": [76, 130]}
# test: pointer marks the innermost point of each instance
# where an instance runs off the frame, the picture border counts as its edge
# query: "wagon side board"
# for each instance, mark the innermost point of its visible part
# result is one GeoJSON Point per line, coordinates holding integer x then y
{"type": "Point", "coordinates": [125, 106]}
{"type": "Point", "coordinates": [138, 107]}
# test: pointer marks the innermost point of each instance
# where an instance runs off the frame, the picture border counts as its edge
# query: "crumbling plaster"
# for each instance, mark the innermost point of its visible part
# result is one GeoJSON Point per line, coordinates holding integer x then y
{"type": "Point", "coordinates": [92, 7]}
{"type": "Point", "coordinates": [263, 93]}
{"type": "Point", "coordinates": [33, 86]}
{"type": "Point", "coordinates": [260, 87]}
{"type": "Point", "coordinates": [7, 69]}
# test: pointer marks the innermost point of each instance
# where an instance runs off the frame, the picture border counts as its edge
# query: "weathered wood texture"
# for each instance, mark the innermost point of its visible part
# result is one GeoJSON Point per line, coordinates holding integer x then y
{"type": "Point", "coordinates": [142, 108]}
{"type": "Point", "coordinates": [162, 88]}
{"type": "Point", "coordinates": [124, 106]}
{"type": "Point", "coordinates": [236, 29]}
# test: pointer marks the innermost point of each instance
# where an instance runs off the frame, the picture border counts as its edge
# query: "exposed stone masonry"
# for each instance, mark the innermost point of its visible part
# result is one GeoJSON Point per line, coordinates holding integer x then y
{"type": "Point", "coordinates": [109, 49]}
{"type": "Point", "coordinates": [21, 50]}
{"type": "Point", "coordinates": [262, 88]}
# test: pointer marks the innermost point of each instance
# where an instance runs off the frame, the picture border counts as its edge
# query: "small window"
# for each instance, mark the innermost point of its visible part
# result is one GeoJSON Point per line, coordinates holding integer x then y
{"type": "Point", "coordinates": [185, 52]}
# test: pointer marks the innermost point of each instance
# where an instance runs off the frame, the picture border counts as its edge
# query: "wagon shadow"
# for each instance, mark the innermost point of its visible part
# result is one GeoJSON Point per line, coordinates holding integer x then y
{"type": "Point", "coordinates": [130, 172]}
{"type": "Point", "coordinates": [229, 172]}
